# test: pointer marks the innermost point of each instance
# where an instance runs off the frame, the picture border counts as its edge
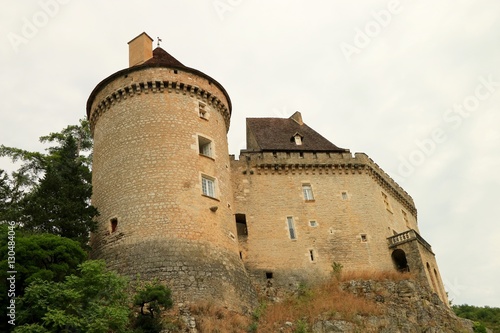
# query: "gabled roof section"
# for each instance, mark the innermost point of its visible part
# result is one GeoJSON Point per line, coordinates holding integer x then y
{"type": "Point", "coordinates": [277, 134]}
{"type": "Point", "coordinates": [163, 58]}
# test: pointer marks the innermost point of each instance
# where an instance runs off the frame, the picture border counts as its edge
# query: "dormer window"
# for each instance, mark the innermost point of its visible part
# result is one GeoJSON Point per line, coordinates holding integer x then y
{"type": "Point", "coordinates": [297, 138]}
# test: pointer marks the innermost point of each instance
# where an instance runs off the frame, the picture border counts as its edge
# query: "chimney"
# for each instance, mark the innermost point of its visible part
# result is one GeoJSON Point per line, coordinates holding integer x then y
{"type": "Point", "coordinates": [140, 49]}
{"type": "Point", "coordinates": [297, 117]}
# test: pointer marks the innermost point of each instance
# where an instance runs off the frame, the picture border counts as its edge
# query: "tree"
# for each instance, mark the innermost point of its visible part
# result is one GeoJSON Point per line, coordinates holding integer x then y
{"type": "Point", "coordinates": [152, 298]}
{"type": "Point", "coordinates": [95, 301]}
{"type": "Point", "coordinates": [51, 192]}
{"type": "Point", "coordinates": [37, 257]}
{"type": "Point", "coordinates": [482, 316]}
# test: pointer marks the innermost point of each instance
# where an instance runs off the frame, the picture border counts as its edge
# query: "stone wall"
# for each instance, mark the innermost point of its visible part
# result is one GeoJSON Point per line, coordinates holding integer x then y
{"type": "Point", "coordinates": [147, 185]}
{"type": "Point", "coordinates": [356, 207]}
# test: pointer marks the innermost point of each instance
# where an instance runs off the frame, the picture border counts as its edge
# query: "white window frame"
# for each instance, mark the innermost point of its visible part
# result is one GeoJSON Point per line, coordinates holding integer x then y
{"type": "Point", "coordinates": [292, 232]}
{"type": "Point", "coordinates": [205, 146]}
{"type": "Point", "coordinates": [208, 186]}
{"type": "Point", "coordinates": [298, 140]}
{"type": "Point", "coordinates": [307, 192]}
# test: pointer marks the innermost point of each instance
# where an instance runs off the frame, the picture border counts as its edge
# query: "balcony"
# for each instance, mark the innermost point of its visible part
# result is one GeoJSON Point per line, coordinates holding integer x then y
{"type": "Point", "coordinates": [408, 236]}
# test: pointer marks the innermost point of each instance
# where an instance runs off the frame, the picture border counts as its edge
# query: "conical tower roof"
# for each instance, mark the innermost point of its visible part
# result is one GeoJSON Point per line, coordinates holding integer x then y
{"type": "Point", "coordinates": [163, 58]}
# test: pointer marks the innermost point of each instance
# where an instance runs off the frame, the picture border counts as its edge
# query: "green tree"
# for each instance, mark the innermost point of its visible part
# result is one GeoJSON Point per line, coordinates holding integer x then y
{"type": "Point", "coordinates": [482, 316]}
{"type": "Point", "coordinates": [37, 256]}
{"type": "Point", "coordinates": [95, 301]}
{"type": "Point", "coordinates": [152, 298]}
{"type": "Point", "coordinates": [51, 192]}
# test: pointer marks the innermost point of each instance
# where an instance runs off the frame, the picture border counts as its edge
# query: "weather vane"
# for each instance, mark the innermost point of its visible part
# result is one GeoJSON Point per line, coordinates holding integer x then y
{"type": "Point", "coordinates": [159, 40]}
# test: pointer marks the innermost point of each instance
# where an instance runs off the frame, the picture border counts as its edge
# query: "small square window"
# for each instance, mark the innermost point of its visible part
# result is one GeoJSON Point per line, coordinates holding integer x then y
{"type": "Point", "coordinates": [307, 191]}
{"type": "Point", "coordinates": [313, 223]}
{"type": "Point", "coordinates": [344, 196]}
{"type": "Point", "coordinates": [205, 146]}
{"type": "Point", "coordinates": [364, 238]}
{"type": "Point", "coordinates": [202, 110]}
{"type": "Point", "coordinates": [208, 186]}
{"type": "Point", "coordinates": [269, 275]}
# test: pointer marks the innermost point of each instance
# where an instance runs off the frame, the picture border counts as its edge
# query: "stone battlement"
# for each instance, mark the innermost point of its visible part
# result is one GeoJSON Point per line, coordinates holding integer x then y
{"type": "Point", "coordinates": [323, 163]}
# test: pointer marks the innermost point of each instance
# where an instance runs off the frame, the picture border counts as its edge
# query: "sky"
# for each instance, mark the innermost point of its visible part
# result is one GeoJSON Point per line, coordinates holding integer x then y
{"type": "Point", "coordinates": [413, 84]}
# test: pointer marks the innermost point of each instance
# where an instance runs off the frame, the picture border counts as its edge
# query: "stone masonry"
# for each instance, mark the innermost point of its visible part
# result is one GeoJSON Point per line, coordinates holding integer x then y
{"type": "Point", "coordinates": [176, 207]}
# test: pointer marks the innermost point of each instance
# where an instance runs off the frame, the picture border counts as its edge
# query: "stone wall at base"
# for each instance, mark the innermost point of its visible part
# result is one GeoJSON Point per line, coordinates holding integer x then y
{"type": "Point", "coordinates": [194, 270]}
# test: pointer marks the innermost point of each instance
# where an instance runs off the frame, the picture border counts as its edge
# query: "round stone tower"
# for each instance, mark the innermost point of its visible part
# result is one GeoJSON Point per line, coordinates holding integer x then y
{"type": "Point", "coordinates": [161, 178]}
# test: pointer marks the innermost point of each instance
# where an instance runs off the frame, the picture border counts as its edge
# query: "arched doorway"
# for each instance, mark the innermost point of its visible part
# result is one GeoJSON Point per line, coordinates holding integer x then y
{"type": "Point", "coordinates": [399, 259]}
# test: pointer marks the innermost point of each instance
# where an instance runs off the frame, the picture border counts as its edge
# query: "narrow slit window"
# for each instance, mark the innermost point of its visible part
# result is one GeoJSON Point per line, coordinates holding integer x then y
{"type": "Point", "coordinates": [308, 193]}
{"type": "Point", "coordinates": [205, 146]}
{"type": "Point", "coordinates": [405, 218]}
{"type": "Point", "coordinates": [386, 202]}
{"type": "Point", "coordinates": [113, 224]}
{"type": "Point", "coordinates": [311, 255]}
{"type": "Point", "coordinates": [291, 227]}
{"type": "Point", "coordinates": [208, 186]}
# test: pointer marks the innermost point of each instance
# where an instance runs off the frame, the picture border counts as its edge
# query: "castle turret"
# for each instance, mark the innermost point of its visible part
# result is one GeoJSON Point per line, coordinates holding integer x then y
{"type": "Point", "coordinates": [161, 178]}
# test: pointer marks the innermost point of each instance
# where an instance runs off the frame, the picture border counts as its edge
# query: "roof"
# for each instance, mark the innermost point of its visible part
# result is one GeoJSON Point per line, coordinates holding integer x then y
{"type": "Point", "coordinates": [163, 58]}
{"type": "Point", "coordinates": [277, 134]}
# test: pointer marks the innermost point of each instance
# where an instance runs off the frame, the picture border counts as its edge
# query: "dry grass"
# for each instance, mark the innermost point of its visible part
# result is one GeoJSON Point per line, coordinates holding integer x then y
{"type": "Point", "coordinates": [324, 301]}
{"type": "Point", "coordinates": [213, 319]}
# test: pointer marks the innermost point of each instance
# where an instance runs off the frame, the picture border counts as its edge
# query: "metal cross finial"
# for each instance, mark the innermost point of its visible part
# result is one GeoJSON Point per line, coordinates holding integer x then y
{"type": "Point", "coordinates": [159, 40]}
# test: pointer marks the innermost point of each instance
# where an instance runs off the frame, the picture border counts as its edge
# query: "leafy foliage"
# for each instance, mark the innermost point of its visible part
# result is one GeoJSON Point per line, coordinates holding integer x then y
{"type": "Point", "coordinates": [38, 256]}
{"type": "Point", "coordinates": [153, 298]}
{"type": "Point", "coordinates": [51, 192]}
{"type": "Point", "coordinates": [93, 302]}
{"type": "Point", "coordinates": [483, 316]}
{"type": "Point", "coordinates": [41, 256]}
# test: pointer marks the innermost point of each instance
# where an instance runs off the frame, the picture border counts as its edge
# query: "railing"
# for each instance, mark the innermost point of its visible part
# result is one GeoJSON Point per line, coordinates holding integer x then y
{"type": "Point", "coordinates": [407, 236]}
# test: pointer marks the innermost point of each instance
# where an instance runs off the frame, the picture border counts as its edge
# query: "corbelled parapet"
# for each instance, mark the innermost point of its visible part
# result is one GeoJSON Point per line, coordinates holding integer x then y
{"type": "Point", "coordinates": [297, 162]}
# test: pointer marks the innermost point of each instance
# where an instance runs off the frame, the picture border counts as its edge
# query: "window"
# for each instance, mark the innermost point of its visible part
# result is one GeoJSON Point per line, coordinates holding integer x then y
{"type": "Point", "coordinates": [311, 255]}
{"type": "Point", "coordinates": [298, 140]}
{"type": "Point", "coordinates": [114, 224]}
{"type": "Point", "coordinates": [269, 275]}
{"type": "Point", "coordinates": [308, 193]}
{"type": "Point", "coordinates": [313, 223]}
{"type": "Point", "coordinates": [405, 218]}
{"type": "Point", "coordinates": [241, 225]}
{"type": "Point", "coordinates": [386, 202]}
{"type": "Point", "coordinates": [205, 146]}
{"type": "Point", "coordinates": [202, 110]}
{"type": "Point", "coordinates": [291, 227]}
{"type": "Point", "coordinates": [208, 186]}
{"type": "Point", "coordinates": [344, 196]}
{"type": "Point", "coordinates": [364, 238]}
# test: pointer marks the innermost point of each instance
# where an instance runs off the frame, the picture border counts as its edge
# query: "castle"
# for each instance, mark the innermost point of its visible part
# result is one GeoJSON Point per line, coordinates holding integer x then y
{"type": "Point", "coordinates": [174, 205]}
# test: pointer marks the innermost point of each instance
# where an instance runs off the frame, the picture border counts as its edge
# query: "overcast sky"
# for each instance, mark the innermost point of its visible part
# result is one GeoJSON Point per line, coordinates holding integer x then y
{"type": "Point", "coordinates": [413, 84]}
